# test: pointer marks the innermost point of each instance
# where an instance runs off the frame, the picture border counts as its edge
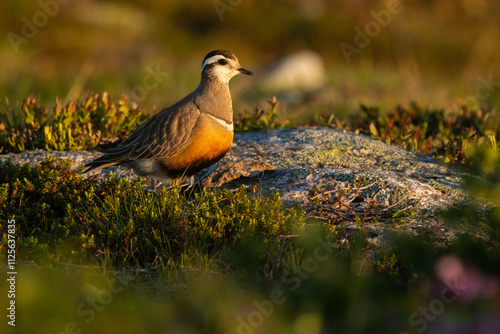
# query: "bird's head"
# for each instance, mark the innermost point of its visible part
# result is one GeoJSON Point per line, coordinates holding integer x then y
{"type": "Point", "coordinates": [222, 65]}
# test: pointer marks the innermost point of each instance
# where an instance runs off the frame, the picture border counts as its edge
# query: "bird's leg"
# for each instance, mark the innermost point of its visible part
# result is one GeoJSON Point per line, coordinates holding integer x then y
{"type": "Point", "coordinates": [189, 184]}
{"type": "Point", "coordinates": [156, 184]}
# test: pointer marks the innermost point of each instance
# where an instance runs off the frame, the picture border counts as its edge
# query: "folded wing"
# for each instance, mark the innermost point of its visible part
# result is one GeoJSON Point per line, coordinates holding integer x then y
{"type": "Point", "coordinates": [165, 134]}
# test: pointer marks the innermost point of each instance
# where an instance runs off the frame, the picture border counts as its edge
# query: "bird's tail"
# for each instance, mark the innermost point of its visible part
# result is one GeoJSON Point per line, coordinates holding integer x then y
{"type": "Point", "coordinates": [110, 158]}
{"type": "Point", "coordinates": [97, 165]}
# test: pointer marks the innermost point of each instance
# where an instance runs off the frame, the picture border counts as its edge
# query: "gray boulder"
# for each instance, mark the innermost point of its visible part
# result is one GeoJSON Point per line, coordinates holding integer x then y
{"type": "Point", "coordinates": [345, 178]}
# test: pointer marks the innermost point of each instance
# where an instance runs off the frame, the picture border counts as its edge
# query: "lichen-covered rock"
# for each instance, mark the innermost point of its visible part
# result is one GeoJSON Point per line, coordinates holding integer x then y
{"type": "Point", "coordinates": [394, 189]}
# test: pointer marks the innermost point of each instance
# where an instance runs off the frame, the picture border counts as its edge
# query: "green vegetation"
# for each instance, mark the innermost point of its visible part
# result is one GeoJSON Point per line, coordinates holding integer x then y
{"type": "Point", "coordinates": [78, 125]}
{"type": "Point", "coordinates": [259, 119]}
{"type": "Point", "coordinates": [118, 223]}
{"type": "Point", "coordinates": [449, 136]}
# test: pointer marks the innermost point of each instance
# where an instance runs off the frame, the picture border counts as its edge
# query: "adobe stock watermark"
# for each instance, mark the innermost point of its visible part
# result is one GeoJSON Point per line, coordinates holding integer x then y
{"type": "Point", "coordinates": [11, 271]}
{"type": "Point", "coordinates": [421, 318]}
{"type": "Point", "coordinates": [263, 309]}
{"type": "Point", "coordinates": [483, 91]}
{"type": "Point", "coordinates": [31, 26]}
{"type": "Point", "coordinates": [95, 302]}
{"type": "Point", "coordinates": [222, 6]}
{"type": "Point", "coordinates": [151, 80]}
{"type": "Point", "coordinates": [362, 38]}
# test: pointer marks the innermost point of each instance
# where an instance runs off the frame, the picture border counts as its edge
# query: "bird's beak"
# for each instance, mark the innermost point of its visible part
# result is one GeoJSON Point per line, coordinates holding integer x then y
{"type": "Point", "coordinates": [244, 71]}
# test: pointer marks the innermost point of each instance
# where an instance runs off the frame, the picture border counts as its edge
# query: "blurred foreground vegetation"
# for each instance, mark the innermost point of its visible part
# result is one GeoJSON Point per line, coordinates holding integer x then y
{"type": "Point", "coordinates": [113, 256]}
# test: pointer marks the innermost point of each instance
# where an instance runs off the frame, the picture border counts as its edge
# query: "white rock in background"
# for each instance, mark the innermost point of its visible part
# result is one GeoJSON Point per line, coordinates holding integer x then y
{"type": "Point", "coordinates": [303, 70]}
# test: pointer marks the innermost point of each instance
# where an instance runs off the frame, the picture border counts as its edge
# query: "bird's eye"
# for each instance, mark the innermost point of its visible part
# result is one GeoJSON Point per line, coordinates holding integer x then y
{"type": "Point", "coordinates": [222, 61]}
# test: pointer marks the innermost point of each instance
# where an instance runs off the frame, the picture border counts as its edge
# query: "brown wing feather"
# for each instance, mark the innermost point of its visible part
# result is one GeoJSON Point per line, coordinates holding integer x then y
{"type": "Point", "coordinates": [163, 135]}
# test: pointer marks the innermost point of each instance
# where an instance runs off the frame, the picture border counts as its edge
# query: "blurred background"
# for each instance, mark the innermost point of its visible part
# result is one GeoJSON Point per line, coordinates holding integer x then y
{"type": "Point", "coordinates": [439, 53]}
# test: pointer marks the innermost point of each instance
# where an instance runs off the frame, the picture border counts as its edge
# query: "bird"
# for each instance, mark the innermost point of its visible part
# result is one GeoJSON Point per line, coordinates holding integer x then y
{"type": "Point", "coordinates": [187, 137]}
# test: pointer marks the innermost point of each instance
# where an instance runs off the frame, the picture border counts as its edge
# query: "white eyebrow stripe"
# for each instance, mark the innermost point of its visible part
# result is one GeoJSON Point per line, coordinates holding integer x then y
{"type": "Point", "coordinates": [211, 60]}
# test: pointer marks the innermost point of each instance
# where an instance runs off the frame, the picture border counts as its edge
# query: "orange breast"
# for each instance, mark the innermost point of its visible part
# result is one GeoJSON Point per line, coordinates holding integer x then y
{"type": "Point", "coordinates": [209, 143]}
